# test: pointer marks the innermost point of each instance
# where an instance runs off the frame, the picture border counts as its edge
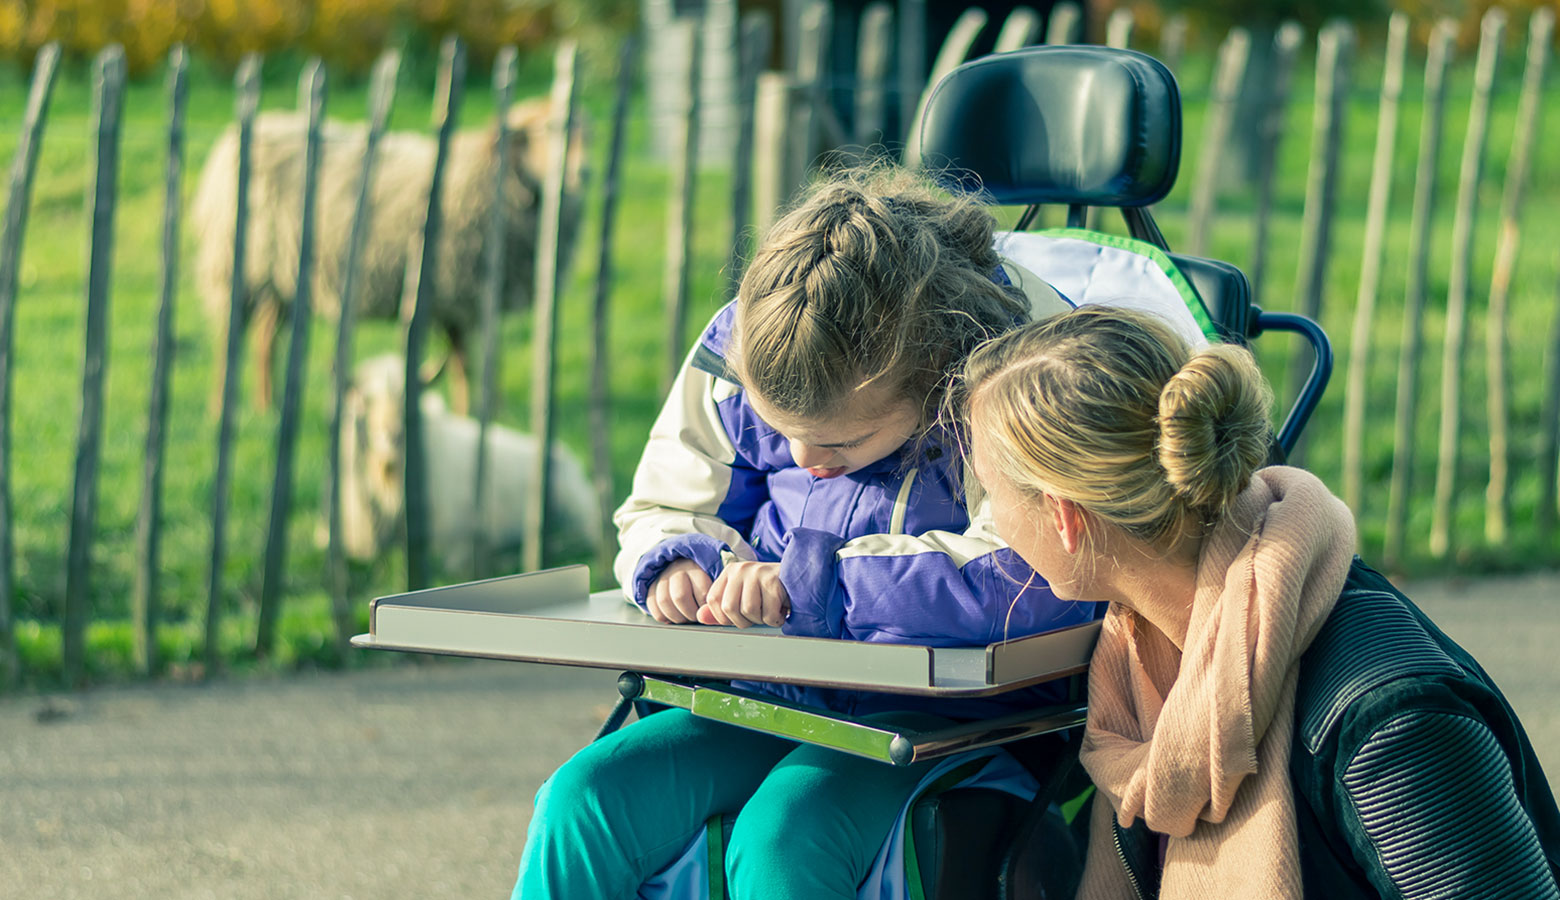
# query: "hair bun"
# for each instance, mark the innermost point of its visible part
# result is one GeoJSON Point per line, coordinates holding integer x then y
{"type": "Point", "coordinates": [1214, 430]}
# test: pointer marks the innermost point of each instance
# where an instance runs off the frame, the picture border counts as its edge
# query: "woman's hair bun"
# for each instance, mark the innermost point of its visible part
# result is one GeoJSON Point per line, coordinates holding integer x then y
{"type": "Point", "coordinates": [1214, 430]}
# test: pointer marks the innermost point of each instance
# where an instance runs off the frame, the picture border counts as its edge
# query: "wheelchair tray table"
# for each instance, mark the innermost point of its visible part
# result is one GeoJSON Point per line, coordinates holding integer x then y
{"type": "Point", "coordinates": [551, 617]}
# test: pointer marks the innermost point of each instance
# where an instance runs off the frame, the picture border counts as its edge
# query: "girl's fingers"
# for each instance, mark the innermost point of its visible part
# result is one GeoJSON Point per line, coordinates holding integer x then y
{"type": "Point", "coordinates": [683, 598]}
{"type": "Point", "coordinates": [667, 612]}
{"type": "Point", "coordinates": [730, 604]}
{"type": "Point", "coordinates": [733, 609]}
{"type": "Point", "coordinates": [712, 612]}
{"type": "Point", "coordinates": [659, 603]}
{"type": "Point", "coordinates": [700, 580]}
{"type": "Point", "coordinates": [777, 603]}
{"type": "Point", "coordinates": [753, 601]}
{"type": "Point", "coordinates": [776, 607]}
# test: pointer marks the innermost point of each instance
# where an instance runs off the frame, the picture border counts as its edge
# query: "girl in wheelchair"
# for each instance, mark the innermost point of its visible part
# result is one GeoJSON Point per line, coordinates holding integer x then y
{"type": "Point", "coordinates": [796, 477]}
{"type": "Point", "coordinates": [1268, 716]}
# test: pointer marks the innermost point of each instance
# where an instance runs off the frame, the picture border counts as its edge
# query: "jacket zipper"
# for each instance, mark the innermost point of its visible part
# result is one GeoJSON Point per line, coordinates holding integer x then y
{"type": "Point", "coordinates": [1121, 854]}
{"type": "Point", "coordinates": [901, 507]}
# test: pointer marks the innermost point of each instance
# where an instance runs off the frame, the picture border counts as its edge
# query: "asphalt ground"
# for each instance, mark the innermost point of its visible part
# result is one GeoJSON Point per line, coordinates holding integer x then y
{"type": "Point", "coordinates": [416, 781]}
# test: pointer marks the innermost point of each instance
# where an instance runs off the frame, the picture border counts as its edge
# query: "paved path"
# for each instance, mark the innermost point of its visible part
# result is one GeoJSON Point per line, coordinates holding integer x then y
{"type": "Point", "coordinates": [416, 781]}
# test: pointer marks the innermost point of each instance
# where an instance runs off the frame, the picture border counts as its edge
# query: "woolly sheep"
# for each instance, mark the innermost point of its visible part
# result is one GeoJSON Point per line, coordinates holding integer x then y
{"type": "Point", "coordinates": [402, 175]}
{"type": "Point", "coordinates": [372, 460]}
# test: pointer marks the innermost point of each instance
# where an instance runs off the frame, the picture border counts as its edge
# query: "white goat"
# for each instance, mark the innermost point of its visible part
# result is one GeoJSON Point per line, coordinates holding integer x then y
{"type": "Point", "coordinates": [373, 501]}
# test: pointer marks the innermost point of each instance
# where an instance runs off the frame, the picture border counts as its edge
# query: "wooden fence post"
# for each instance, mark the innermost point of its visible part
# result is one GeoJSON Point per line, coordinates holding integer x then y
{"type": "Point", "coordinates": [1286, 46]}
{"type": "Point", "coordinates": [1020, 29]}
{"type": "Point", "coordinates": [416, 303]}
{"type": "Point", "coordinates": [108, 94]}
{"type": "Point", "coordinates": [1370, 266]}
{"type": "Point", "coordinates": [1118, 28]}
{"type": "Point", "coordinates": [1228, 76]}
{"type": "Point", "coordinates": [18, 199]}
{"type": "Point", "coordinates": [912, 60]}
{"type": "Point", "coordinates": [380, 95]}
{"type": "Point", "coordinates": [1497, 506]}
{"type": "Point", "coordinates": [1334, 47]}
{"type": "Point", "coordinates": [953, 52]}
{"type": "Point", "coordinates": [679, 214]}
{"type": "Point", "coordinates": [873, 46]}
{"type": "Point", "coordinates": [246, 101]}
{"type": "Point", "coordinates": [312, 85]}
{"type": "Point", "coordinates": [1172, 41]}
{"type": "Point", "coordinates": [545, 333]}
{"type": "Point", "coordinates": [1406, 411]}
{"type": "Point", "coordinates": [810, 110]}
{"type": "Point", "coordinates": [755, 41]}
{"type": "Point", "coordinates": [1491, 30]}
{"type": "Point", "coordinates": [144, 603]}
{"type": "Point", "coordinates": [1065, 26]}
{"type": "Point", "coordinates": [504, 67]}
{"type": "Point", "coordinates": [771, 114]}
{"type": "Point", "coordinates": [600, 351]}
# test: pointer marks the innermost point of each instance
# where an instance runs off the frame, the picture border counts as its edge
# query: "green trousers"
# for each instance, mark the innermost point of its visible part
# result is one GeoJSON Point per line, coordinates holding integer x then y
{"type": "Point", "coordinates": [810, 820]}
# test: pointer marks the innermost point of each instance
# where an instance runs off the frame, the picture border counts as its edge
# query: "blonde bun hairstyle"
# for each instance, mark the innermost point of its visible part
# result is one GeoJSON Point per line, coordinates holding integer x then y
{"type": "Point", "coordinates": [1109, 408]}
{"type": "Point", "coordinates": [1214, 429]}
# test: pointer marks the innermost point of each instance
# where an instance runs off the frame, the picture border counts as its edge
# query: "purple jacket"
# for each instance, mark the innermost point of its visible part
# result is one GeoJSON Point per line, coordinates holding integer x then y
{"type": "Point", "coordinates": [888, 553]}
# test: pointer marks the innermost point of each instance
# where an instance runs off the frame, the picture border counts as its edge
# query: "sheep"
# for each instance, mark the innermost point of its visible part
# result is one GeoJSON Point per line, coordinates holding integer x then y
{"type": "Point", "coordinates": [372, 495]}
{"type": "Point", "coordinates": [402, 175]}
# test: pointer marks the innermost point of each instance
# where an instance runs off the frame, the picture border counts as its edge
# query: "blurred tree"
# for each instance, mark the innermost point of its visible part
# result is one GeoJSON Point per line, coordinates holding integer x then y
{"type": "Point", "coordinates": [225, 30]}
{"type": "Point", "coordinates": [1257, 14]}
{"type": "Point", "coordinates": [350, 34]}
{"type": "Point", "coordinates": [347, 34]}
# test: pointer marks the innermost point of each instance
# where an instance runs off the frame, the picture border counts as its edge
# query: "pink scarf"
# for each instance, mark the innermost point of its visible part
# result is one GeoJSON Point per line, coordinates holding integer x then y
{"type": "Point", "coordinates": [1198, 746]}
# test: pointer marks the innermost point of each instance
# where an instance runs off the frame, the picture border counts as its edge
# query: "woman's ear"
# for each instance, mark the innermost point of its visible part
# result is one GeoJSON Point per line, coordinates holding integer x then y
{"type": "Point", "coordinates": [1068, 519]}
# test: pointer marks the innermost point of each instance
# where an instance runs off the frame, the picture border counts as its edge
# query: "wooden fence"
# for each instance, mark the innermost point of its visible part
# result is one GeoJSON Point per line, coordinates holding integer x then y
{"type": "Point", "coordinates": [786, 125]}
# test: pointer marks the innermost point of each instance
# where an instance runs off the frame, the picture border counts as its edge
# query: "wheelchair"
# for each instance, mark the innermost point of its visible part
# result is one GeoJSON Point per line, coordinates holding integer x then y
{"type": "Point", "coordinates": [1078, 126]}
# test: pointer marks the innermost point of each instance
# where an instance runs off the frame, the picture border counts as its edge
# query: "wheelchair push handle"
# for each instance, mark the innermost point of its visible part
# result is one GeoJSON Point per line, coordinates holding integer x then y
{"type": "Point", "coordinates": [1315, 383]}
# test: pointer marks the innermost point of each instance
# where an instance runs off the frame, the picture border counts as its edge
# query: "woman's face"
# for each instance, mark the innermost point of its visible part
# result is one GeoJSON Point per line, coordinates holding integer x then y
{"type": "Point", "coordinates": [1028, 524]}
{"type": "Point", "coordinates": [873, 423]}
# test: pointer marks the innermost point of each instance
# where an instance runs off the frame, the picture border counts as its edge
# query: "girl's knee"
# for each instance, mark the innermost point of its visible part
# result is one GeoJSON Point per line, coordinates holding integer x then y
{"type": "Point", "coordinates": [758, 854]}
{"type": "Point", "coordinates": [577, 791]}
{"type": "Point", "coordinates": [779, 835]}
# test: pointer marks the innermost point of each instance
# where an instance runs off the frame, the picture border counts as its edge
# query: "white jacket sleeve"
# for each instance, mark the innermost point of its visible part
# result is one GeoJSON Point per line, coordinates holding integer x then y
{"type": "Point", "coordinates": [688, 489]}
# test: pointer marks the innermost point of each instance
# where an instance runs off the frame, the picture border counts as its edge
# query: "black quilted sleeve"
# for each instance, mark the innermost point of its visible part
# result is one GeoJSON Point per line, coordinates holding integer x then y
{"type": "Point", "coordinates": [1429, 806]}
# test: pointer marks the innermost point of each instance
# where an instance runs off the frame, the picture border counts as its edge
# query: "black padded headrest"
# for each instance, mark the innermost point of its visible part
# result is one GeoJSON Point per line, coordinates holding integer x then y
{"type": "Point", "coordinates": [1091, 125]}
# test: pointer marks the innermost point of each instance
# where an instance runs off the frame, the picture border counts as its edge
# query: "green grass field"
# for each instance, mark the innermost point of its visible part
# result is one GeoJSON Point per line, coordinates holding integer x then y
{"type": "Point", "coordinates": [51, 315]}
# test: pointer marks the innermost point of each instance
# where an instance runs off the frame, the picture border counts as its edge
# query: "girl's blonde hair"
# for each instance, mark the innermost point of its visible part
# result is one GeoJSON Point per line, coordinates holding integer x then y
{"type": "Point", "coordinates": [1109, 408]}
{"type": "Point", "coordinates": [873, 278]}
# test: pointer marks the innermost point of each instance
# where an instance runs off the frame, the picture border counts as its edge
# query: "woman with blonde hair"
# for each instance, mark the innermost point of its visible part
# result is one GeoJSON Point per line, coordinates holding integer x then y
{"type": "Point", "coordinates": [1268, 716]}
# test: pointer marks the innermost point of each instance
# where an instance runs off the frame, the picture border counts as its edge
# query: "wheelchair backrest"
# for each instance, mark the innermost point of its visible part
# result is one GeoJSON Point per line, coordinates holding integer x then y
{"type": "Point", "coordinates": [1082, 126]}
{"type": "Point", "coordinates": [1063, 124]}
{"type": "Point", "coordinates": [1095, 126]}
{"type": "Point", "coordinates": [1225, 292]}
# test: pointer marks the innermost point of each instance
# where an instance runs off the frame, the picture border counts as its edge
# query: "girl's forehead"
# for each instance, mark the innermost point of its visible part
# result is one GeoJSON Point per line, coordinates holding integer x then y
{"type": "Point", "coordinates": [861, 410]}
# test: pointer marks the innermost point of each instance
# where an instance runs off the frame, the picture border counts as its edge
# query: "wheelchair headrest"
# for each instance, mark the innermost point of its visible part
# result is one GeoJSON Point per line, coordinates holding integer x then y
{"type": "Point", "coordinates": [1090, 125]}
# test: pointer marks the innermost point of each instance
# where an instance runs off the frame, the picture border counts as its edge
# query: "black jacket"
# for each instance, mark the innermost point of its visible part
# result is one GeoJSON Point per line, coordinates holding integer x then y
{"type": "Point", "coordinates": [1412, 776]}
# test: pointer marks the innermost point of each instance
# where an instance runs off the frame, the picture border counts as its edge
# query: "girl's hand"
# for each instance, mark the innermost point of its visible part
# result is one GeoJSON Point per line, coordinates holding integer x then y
{"type": "Point", "coordinates": [746, 593]}
{"type": "Point", "coordinates": [678, 592]}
